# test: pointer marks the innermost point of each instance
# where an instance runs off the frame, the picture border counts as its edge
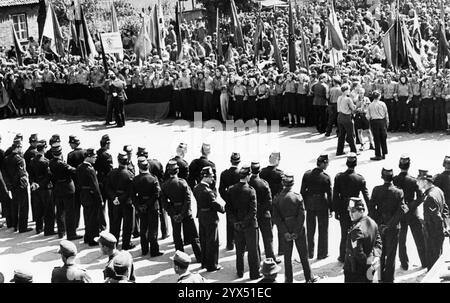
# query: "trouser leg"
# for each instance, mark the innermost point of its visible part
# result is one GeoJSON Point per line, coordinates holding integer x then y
{"type": "Point", "coordinates": [23, 210]}
{"type": "Point", "coordinates": [289, 276]}
{"type": "Point", "coordinates": [127, 211]}
{"type": "Point", "coordinates": [176, 233]}
{"type": "Point", "coordinates": [164, 218]}
{"type": "Point", "coordinates": [390, 248]}
{"type": "Point", "coordinates": [311, 231]}
{"type": "Point", "coordinates": [302, 250]}
{"type": "Point", "coordinates": [60, 216]}
{"type": "Point", "coordinates": [239, 238]}
{"type": "Point", "coordinates": [251, 241]}
{"type": "Point", "coordinates": [190, 231]}
{"type": "Point", "coordinates": [402, 254]}
{"type": "Point", "coordinates": [116, 221]}
{"type": "Point", "coordinates": [153, 232]}
{"type": "Point", "coordinates": [49, 212]}
{"type": "Point", "coordinates": [38, 210]}
{"type": "Point", "coordinates": [69, 215]}
{"type": "Point", "coordinates": [345, 225]}
{"type": "Point", "coordinates": [143, 227]}
{"type": "Point", "coordinates": [417, 232]}
{"type": "Point", "coordinates": [230, 234]}
{"type": "Point", "coordinates": [322, 247]}
{"type": "Point", "coordinates": [265, 226]}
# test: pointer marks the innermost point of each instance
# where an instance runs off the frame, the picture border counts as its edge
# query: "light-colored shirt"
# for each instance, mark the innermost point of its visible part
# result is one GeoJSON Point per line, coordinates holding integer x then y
{"type": "Point", "coordinates": [345, 105]}
{"type": "Point", "coordinates": [335, 93]}
{"type": "Point", "coordinates": [377, 110]}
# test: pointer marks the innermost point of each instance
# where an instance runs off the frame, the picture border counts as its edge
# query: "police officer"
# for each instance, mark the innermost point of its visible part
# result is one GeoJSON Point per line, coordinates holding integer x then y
{"type": "Point", "coordinates": [386, 207]}
{"type": "Point", "coordinates": [90, 196]}
{"type": "Point", "coordinates": [128, 149]}
{"type": "Point", "coordinates": [347, 184]}
{"type": "Point", "coordinates": [29, 154]}
{"type": "Point", "coordinates": [21, 275]}
{"type": "Point", "coordinates": [70, 272]}
{"type": "Point", "coordinates": [264, 209]}
{"type": "Point", "coordinates": [228, 178]}
{"type": "Point", "coordinates": [17, 182]}
{"type": "Point", "coordinates": [442, 180]}
{"type": "Point", "coordinates": [55, 139]}
{"type": "Point", "coordinates": [316, 190]}
{"type": "Point", "coordinates": [75, 158]}
{"type": "Point", "coordinates": [108, 248]}
{"type": "Point", "coordinates": [145, 193]}
{"type": "Point", "coordinates": [289, 215]}
{"type": "Point", "coordinates": [436, 214]}
{"type": "Point", "coordinates": [181, 263]}
{"type": "Point", "coordinates": [17, 138]}
{"type": "Point", "coordinates": [118, 186]}
{"type": "Point", "coordinates": [121, 265]}
{"type": "Point", "coordinates": [41, 191]}
{"type": "Point", "coordinates": [241, 210]}
{"type": "Point", "coordinates": [197, 165]}
{"type": "Point", "coordinates": [176, 197]}
{"type": "Point", "coordinates": [183, 172]}
{"type": "Point", "coordinates": [414, 217]}
{"type": "Point", "coordinates": [273, 175]}
{"type": "Point", "coordinates": [208, 220]}
{"type": "Point", "coordinates": [103, 165]}
{"type": "Point", "coordinates": [363, 244]}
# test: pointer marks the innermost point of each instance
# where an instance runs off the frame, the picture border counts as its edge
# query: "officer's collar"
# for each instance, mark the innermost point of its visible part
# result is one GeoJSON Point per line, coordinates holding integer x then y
{"type": "Point", "coordinates": [203, 182]}
{"type": "Point", "coordinates": [183, 275]}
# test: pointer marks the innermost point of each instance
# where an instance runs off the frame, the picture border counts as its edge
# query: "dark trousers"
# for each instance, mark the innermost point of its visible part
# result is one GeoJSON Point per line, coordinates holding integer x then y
{"type": "Point", "coordinates": [164, 218]}
{"type": "Point", "coordinates": [265, 227]}
{"type": "Point", "coordinates": [230, 233]}
{"type": "Point", "coordinates": [119, 112]}
{"type": "Point", "coordinates": [239, 109]}
{"type": "Point", "coordinates": [320, 113]}
{"type": "Point", "coordinates": [45, 210]}
{"type": "Point", "coordinates": [281, 243]}
{"type": "Point", "coordinates": [389, 239]}
{"type": "Point", "coordinates": [209, 110]}
{"type": "Point", "coordinates": [274, 108]}
{"type": "Point", "coordinates": [434, 240]}
{"type": "Point", "coordinates": [262, 108]}
{"type": "Point", "coordinates": [393, 113]}
{"type": "Point", "coordinates": [109, 109]}
{"type": "Point", "coordinates": [65, 217]}
{"type": "Point", "coordinates": [321, 217]}
{"type": "Point", "coordinates": [216, 106]}
{"type": "Point", "coordinates": [302, 249]}
{"type": "Point", "coordinates": [345, 223]}
{"type": "Point", "coordinates": [6, 210]}
{"type": "Point", "coordinates": [346, 133]}
{"type": "Point", "coordinates": [356, 277]}
{"type": "Point", "coordinates": [426, 115]}
{"type": "Point", "coordinates": [379, 132]}
{"type": "Point", "coordinates": [417, 231]}
{"type": "Point", "coordinates": [190, 235]}
{"type": "Point", "coordinates": [19, 209]}
{"type": "Point", "coordinates": [122, 212]}
{"type": "Point", "coordinates": [77, 208]}
{"type": "Point", "coordinates": [209, 243]}
{"type": "Point", "coordinates": [92, 225]}
{"type": "Point", "coordinates": [332, 117]}
{"type": "Point", "coordinates": [247, 238]}
{"type": "Point", "coordinates": [198, 100]}
{"type": "Point", "coordinates": [440, 118]}
{"type": "Point", "coordinates": [149, 231]}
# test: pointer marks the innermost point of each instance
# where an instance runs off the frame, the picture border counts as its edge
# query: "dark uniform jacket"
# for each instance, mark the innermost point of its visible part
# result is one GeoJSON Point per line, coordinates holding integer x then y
{"type": "Point", "coordinates": [435, 210]}
{"type": "Point", "coordinates": [40, 172]}
{"type": "Point", "coordinates": [176, 197]}
{"type": "Point", "coordinates": [242, 205]}
{"type": "Point", "coordinates": [191, 278]}
{"type": "Point", "coordinates": [109, 272]}
{"type": "Point", "coordinates": [316, 190]}
{"type": "Point", "coordinates": [442, 181]}
{"type": "Point", "coordinates": [363, 241]}
{"type": "Point", "coordinates": [70, 273]}
{"type": "Point", "coordinates": [289, 212]}
{"type": "Point", "coordinates": [29, 154]}
{"type": "Point", "coordinates": [16, 177]}
{"type": "Point", "coordinates": [263, 197]}
{"type": "Point", "coordinates": [88, 185]}
{"type": "Point", "coordinates": [386, 206]}
{"type": "Point", "coordinates": [183, 172]}
{"type": "Point", "coordinates": [62, 174]}
{"type": "Point", "coordinates": [273, 176]}
{"type": "Point", "coordinates": [103, 165]}
{"type": "Point", "coordinates": [145, 192]}
{"type": "Point", "coordinates": [411, 191]}
{"type": "Point", "coordinates": [195, 168]}
{"type": "Point", "coordinates": [118, 184]}
{"type": "Point", "coordinates": [207, 205]}
{"type": "Point", "coordinates": [347, 185]}
{"type": "Point", "coordinates": [228, 178]}
{"type": "Point", "coordinates": [117, 90]}
{"type": "Point", "coordinates": [75, 157]}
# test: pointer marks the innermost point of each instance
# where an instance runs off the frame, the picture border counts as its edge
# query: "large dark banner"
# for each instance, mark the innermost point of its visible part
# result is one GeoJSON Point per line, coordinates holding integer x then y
{"type": "Point", "coordinates": [78, 99]}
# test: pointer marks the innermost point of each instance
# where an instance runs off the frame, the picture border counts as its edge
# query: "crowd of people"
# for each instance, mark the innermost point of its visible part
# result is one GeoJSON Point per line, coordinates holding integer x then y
{"type": "Point", "coordinates": [129, 200]}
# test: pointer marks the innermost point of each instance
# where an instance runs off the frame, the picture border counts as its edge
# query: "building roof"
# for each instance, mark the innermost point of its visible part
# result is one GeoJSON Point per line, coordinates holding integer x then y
{"type": "Point", "coordinates": [6, 3]}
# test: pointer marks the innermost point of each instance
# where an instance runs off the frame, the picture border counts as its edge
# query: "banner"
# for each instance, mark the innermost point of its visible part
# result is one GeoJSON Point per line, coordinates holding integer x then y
{"type": "Point", "coordinates": [112, 43]}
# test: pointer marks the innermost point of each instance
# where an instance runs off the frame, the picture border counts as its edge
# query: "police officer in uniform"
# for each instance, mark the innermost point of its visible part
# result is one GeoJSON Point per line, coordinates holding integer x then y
{"type": "Point", "coordinates": [70, 272]}
{"type": "Point", "coordinates": [181, 263]}
{"type": "Point", "coordinates": [90, 196]}
{"type": "Point", "coordinates": [29, 154]}
{"type": "Point", "coordinates": [145, 193]}
{"type": "Point", "coordinates": [414, 217]}
{"type": "Point", "coordinates": [442, 180]}
{"type": "Point", "coordinates": [316, 190]}
{"type": "Point", "coordinates": [241, 210]}
{"type": "Point", "coordinates": [436, 215]}
{"type": "Point", "coordinates": [103, 165]}
{"type": "Point", "coordinates": [176, 197]}
{"type": "Point", "coordinates": [75, 158]}
{"type": "Point", "coordinates": [264, 210]}
{"type": "Point", "coordinates": [54, 140]}
{"type": "Point", "coordinates": [121, 265]}
{"type": "Point", "coordinates": [41, 191]}
{"type": "Point", "coordinates": [289, 215]}
{"type": "Point", "coordinates": [363, 244]}
{"type": "Point", "coordinates": [273, 175]}
{"type": "Point", "coordinates": [17, 182]}
{"type": "Point", "coordinates": [118, 189]}
{"type": "Point", "coordinates": [208, 220]}
{"type": "Point", "coordinates": [130, 166]}
{"type": "Point", "coordinates": [386, 207]}
{"type": "Point", "coordinates": [347, 184]}
{"type": "Point", "coordinates": [228, 178]}
{"type": "Point", "coordinates": [183, 172]}
{"type": "Point", "coordinates": [197, 165]}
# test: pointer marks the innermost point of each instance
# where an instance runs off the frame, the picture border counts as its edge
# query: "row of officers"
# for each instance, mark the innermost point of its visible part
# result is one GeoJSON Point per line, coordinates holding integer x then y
{"type": "Point", "coordinates": [255, 199]}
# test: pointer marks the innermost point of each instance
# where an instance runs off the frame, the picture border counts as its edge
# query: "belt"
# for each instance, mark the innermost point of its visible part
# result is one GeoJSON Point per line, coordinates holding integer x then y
{"type": "Point", "coordinates": [205, 209]}
{"type": "Point", "coordinates": [179, 204]}
{"type": "Point", "coordinates": [62, 181]}
{"type": "Point", "coordinates": [289, 217]}
{"type": "Point", "coordinates": [119, 192]}
{"type": "Point", "coordinates": [85, 187]}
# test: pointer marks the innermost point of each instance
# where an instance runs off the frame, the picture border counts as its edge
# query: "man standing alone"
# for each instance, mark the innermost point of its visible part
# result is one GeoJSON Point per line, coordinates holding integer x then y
{"type": "Point", "coordinates": [378, 117]}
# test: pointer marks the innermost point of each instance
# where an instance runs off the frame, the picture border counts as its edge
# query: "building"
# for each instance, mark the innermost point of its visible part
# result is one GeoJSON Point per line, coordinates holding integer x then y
{"type": "Point", "coordinates": [23, 14]}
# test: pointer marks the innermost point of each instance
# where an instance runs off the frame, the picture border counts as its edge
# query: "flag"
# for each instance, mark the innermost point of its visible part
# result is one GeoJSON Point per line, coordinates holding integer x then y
{"type": "Point", "coordinates": [86, 42]}
{"type": "Point", "coordinates": [394, 47]}
{"type": "Point", "coordinates": [257, 39]}
{"type": "Point", "coordinates": [236, 24]}
{"type": "Point", "coordinates": [53, 32]}
{"type": "Point", "coordinates": [304, 57]}
{"type": "Point", "coordinates": [219, 41]}
{"type": "Point", "coordinates": [143, 46]}
{"type": "Point", "coordinates": [414, 57]}
{"type": "Point", "coordinates": [291, 51]}
{"type": "Point", "coordinates": [276, 51]}
{"type": "Point", "coordinates": [177, 27]}
{"type": "Point", "coordinates": [416, 35]}
{"type": "Point", "coordinates": [443, 55]}
{"type": "Point", "coordinates": [161, 27]}
{"type": "Point", "coordinates": [229, 58]}
{"type": "Point", "coordinates": [154, 32]}
{"type": "Point", "coordinates": [105, 62]}
{"type": "Point", "coordinates": [42, 11]}
{"type": "Point", "coordinates": [335, 34]}
{"type": "Point", "coordinates": [17, 46]}
{"type": "Point", "coordinates": [115, 27]}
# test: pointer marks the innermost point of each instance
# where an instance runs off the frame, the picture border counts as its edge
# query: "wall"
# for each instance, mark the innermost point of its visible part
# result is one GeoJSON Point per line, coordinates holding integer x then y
{"type": "Point", "coordinates": [31, 11]}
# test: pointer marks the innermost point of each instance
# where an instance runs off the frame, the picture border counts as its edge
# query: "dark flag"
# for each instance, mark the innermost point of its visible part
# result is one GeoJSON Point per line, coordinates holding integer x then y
{"type": "Point", "coordinates": [42, 11]}
{"type": "Point", "coordinates": [52, 31]}
{"type": "Point", "coordinates": [85, 38]}
{"type": "Point", "coordinates": [394, 47]}
{"type": "Point", "coordinates": [276, 51]}
{"type": "Point", "coordinates": [219, 41]}
{"type": "Point", "coordinates": [291, 51]}
{"type": "Point", "coordinates": [105, 62]}
{"type": "Point", "coordinates": [177, 28]}
{"type": "Point", "coordinates": [334, 30]}
{"type": "Point", "coordinates": [304, 59]}
{"type": "Point", "coordinates": [257, 39]}
{"type": "Point", "coordinates": [18, 47]}
{"type": "Point", "coordinates": [413, 55]}
{"type": "Point", "coordinates": [237, 26]}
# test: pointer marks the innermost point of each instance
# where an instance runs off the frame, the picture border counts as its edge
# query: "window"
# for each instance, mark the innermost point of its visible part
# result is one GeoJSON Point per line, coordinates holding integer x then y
{"type": "Point", "coordinates": [20, 25]}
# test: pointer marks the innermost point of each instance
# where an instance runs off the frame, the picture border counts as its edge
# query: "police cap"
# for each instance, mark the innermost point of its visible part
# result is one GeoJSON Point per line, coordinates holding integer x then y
{"type": "Point", "coordinates": [105, 139]}
{"type": "Point", "coordinates": [323, 159]}
{"type": "Point", "coordinates": [207, 172]}
{"type": "Point", "coordinates": [106, 239]}
{"type": "Point", "coordinates": [22, 275]}
{"type": "Point", "coordinates": [142, 152]}
{"type": "Point", "coordinates": [181, 259]}
{"type": "Point", "coordinates": [356, 203]}
{"type": "Point", "coordinates": [245, 171]}
{"type": "Point", "coordinates": [172, 166]}
{"type": "Point", "coordinates": [90, 152]}
{"type": "Point", "coordinates": [74, 140]}
{"type": "Point", "coordinates": [128, 149]}
{"type": "Point", "coordinates": [235, 158]}
{"type": "Point", "coordinates": [33, 138]}
{"type": "Point", "coordinates": [67, 249]}
{"type": "Point", "coordinates": [256, 167]}
{"type": "Point", "coordinates": [143, 163]}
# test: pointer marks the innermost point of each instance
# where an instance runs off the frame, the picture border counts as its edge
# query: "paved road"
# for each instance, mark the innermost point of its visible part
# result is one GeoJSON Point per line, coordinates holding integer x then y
{"type": "Point", "coordinates": [299, 150]}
